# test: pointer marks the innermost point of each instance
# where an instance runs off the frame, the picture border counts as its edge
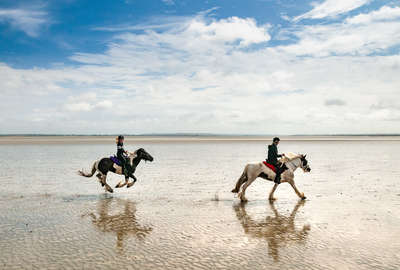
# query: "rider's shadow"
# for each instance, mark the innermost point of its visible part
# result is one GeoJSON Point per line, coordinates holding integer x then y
{"type": "Point", "coordinates": [278, 230]}
{"type": "Point", "coordinates": [123, 223]}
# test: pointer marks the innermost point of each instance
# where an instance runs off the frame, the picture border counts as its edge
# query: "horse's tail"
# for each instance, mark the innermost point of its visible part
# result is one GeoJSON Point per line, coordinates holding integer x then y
{"type": "Point", "coordinates": [82, 173]}
{"type": "Point", "coordinates": [240, 181]}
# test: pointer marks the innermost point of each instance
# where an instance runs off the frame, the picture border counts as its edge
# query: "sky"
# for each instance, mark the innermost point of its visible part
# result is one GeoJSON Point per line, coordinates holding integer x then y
{"type": "Point", "coordinates": [269, 67]}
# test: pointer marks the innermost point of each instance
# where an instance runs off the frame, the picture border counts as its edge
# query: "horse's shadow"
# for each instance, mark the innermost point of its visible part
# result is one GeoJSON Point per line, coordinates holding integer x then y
{"type": "Point", "coordinates": [278, 230]}
{"type": "Point", "coordinates": [118, 216]}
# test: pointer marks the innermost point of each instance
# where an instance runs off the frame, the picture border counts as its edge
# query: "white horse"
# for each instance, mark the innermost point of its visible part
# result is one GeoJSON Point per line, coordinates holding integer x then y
{"type": "Point", "coordinates": [254, 170]}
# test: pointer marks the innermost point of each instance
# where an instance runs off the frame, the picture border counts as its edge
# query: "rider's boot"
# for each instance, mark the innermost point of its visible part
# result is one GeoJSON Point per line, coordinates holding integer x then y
{"type": "Point", "coordinates": [278, 175]}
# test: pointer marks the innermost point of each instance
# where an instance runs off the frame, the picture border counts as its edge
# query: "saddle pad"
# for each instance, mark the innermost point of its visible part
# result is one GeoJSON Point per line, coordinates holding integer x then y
{"type": "Point", "coordinates": [115, 160]}
{"type": "Point", "coordinates": [272, 167]}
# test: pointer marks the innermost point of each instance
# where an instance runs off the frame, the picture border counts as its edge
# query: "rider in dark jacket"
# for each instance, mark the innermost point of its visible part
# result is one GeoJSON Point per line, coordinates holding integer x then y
{"type": "Point", "coordinates": [122, 156]}
{"type": "Point", "coordinates": [273, 159]}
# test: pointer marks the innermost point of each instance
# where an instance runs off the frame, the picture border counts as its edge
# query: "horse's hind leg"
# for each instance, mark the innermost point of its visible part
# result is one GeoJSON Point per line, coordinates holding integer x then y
{"type": "Point", "coordinates": [106, 186]}
{"type": "Point", "coordinates": [242, 179]}
{"type": "Point", "coordinates": [100, 176]}
{"type": "Point", "coordinates": [242, 194]}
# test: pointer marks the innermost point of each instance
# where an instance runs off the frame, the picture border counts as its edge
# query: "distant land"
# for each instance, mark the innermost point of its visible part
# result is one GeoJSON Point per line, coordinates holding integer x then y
{"type": "Point", "coordinates": [202, 135]}
{"type": "Point", "coordinates": [16, 139]}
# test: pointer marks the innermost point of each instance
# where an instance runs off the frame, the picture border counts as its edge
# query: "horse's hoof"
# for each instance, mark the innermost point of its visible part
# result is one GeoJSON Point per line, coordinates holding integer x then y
{"type": "Point", "coordinates": [130, 184]}
{"type": "Point", "coordinates": [234, 190]}
{"type": "Point", "coordinates": [303, 198]}
{"type": "Point", "coordinates": [243, 200]}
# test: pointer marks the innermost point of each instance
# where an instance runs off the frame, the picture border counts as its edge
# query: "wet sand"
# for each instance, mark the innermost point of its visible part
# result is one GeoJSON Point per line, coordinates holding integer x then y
{"type": "Point", "coordinates": [181, 215]}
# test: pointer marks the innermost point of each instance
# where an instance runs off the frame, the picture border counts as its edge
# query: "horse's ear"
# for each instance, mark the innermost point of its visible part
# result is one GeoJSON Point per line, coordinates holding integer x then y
{"type": "Point", "coordinates": [304, 156]}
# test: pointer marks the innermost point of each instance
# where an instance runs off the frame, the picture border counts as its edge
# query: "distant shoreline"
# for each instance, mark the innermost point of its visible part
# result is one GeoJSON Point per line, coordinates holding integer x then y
{"type": "Point", "coordinates": [100, 139]}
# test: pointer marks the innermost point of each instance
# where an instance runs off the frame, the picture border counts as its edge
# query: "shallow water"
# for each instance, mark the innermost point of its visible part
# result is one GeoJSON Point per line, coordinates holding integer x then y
{"type": "Point", "coordinates": [181, 214]}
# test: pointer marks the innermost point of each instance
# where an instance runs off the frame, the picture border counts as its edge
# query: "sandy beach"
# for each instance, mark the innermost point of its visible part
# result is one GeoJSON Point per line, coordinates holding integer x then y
{"type": "Point", "coordinates": [181, 214]}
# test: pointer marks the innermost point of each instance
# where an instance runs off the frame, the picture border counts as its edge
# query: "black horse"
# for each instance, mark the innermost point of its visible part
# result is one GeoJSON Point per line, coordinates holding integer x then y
{"type": "Point", "coordinates": [105, 165]}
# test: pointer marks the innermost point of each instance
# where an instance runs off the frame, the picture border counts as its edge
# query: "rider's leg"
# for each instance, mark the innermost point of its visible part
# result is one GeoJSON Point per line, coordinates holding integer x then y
{"type": "Point", "coordinates": [278, 173]}
{"type": "Point", "coordinates": [279, 170]}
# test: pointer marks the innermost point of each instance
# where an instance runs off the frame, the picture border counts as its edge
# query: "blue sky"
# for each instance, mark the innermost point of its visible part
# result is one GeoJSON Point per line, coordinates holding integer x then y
{"type": "Point", "coordinates": [166, 66]}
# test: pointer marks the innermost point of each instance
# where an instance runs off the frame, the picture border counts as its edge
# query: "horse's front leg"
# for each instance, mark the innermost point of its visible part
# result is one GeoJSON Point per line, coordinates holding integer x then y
{"type": "Point", "coordinates": [121, 184]}
{"type": "Point", "coordinates": [300, 194]}
{"type": "Point", "coordinates": [131, 184]}
{"type": "Point", "coordinates": [271, 194]}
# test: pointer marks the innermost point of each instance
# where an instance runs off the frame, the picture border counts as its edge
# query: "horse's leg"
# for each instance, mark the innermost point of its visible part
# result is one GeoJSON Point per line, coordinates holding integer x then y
{"type": "Point", "coordinates": [240, 181]}
{"type": "Point", "coordinates": [120, 184]}
{"type": "Point", "coordinates": [106, 186]}
{"type": "Point", "coordinates": [131, 184]}
{"type": "Point", "coordinates": [300, 194]}
{"type": "Point", "coordinates": [242, 194]}
{"type": "Point", "coordinates": [271, 194]}
{"type": "Point", "coordinates": [100, 177]}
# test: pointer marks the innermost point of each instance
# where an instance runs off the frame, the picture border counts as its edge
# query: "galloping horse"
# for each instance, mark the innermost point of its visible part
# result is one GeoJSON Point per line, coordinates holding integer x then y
{"type": "Point", "coordinates": [105, 165]}
{"type": "Point", "coordinates": [254, 170]}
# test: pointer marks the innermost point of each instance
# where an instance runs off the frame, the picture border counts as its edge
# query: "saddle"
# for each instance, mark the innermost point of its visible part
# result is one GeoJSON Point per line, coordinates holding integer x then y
{"type": "Point", "coordinates": [272, 167]}
{"type": "Point", "coordinates": [115, 160]}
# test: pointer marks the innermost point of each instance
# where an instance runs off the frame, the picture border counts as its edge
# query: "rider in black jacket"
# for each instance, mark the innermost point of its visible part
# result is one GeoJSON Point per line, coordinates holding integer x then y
{"type": "Point", "coordinates": [273, 159]}
{"type": "Point", "coordinates": [122, 156]}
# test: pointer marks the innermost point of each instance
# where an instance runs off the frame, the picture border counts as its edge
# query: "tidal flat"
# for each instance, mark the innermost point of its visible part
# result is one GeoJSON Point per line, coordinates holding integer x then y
{"type": "Point", "coordinates": [181, 214]}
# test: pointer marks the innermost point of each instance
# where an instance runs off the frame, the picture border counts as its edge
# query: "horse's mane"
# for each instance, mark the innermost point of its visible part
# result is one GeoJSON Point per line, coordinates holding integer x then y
{"type": "Point", "coordinates": [289, 156]}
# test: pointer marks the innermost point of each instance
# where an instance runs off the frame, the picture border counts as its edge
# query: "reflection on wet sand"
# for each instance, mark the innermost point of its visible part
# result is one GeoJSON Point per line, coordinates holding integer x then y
{"type": "Point", "coordinates": [124, 223]}
{"type": "Point", "coordinates": [278, 230]}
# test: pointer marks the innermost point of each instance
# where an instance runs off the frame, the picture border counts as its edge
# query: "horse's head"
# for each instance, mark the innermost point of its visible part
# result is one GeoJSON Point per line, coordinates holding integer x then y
{"type": "Point", "coordinates": [142, 154]}
{"type": "Point", "coordinates": [304, 164]}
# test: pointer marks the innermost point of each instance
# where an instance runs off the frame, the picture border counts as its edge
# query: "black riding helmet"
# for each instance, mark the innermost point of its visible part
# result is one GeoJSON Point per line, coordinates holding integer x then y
{"type": "Point", "coordinates": [120, 137]}
{"type": "Point", "coordinates": [276, 139]}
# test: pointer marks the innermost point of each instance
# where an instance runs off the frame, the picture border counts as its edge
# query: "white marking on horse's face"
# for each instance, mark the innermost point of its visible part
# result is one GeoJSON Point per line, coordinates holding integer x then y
{"type": "Point", "coordinates": [305, 167]}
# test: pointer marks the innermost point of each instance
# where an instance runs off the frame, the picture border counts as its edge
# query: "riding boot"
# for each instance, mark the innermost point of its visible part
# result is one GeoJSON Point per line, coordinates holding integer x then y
{"type": "Point", "coordinates": [278, 175]}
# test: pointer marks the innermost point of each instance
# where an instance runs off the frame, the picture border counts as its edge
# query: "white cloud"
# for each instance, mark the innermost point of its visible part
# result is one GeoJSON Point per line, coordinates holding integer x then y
{"type": "Point", "coordinates": [28, 21]}
{"type": "Point", "coordinates": [105, 104]}
{"type": "Point", "coordinates": [385, 13]}
{"type": "Point", "coordinates": [363, 34]}
{"type": "Point", "coordinates": [331, 8]}
{"type": "Point", "coordinates": [202, 76]}
{"type": "Point", "coordinates": [79, 107]}
{"type": "Point", "coordinates": [87, 102]}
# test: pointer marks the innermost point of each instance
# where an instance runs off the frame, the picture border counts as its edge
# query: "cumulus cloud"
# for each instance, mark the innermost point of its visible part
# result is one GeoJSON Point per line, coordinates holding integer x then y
{"type": "Point", "coordinates": [359, 35]}
{"type": "Point", "coordinates": [28, 21]}
{"type": "Point", "coordinates": [331, 8]}
{"type": "Point", "coordinates": [385, 13]}
{"type": "Point", "coordinates": [86, 102]}
{"type": "Point", "coordinates": [205, 76]}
